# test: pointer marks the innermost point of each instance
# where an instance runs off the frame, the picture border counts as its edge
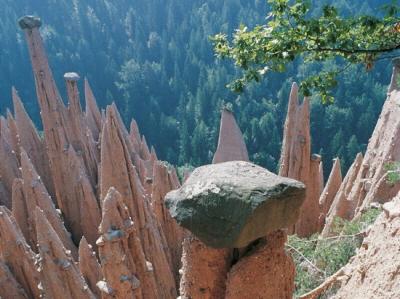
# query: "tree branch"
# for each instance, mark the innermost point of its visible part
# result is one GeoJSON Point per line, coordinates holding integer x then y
{"type": "Point", "coordinates": [324, 286]}
{"type": "Point", "coordinates": [306, 259]}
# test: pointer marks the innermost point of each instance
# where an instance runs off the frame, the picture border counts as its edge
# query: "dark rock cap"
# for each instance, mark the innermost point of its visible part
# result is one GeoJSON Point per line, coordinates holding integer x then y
{"type": "Point", "coordinates": [29, 22]}
{"type": "Point", "coordinates": [233, 203]}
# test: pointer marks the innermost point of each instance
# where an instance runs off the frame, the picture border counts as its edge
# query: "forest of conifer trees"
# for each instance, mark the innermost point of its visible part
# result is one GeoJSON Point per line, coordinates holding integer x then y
{"type": "Point", "coordinates": [155, 60]}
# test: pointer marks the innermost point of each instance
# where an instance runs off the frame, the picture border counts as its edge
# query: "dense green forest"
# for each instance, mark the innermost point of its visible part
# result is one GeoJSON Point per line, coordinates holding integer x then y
{"type": "Point", "coordinates": [155, 60]}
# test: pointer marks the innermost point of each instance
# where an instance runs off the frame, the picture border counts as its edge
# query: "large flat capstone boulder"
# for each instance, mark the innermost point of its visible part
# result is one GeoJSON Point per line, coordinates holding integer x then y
{"type": "Point", "coordinates": [234, 203]}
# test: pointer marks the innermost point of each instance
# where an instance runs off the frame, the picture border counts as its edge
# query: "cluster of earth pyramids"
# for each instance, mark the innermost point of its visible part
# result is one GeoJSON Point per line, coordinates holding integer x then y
{"type": "Point", "coordinates": [82, 210]}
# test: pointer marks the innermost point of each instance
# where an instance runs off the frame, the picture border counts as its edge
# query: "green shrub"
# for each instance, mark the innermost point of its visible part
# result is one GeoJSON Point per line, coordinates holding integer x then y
{"type": "Point", "coordinates": [393, 172]}
{"type": "Point", "coordinates": [318, 258]}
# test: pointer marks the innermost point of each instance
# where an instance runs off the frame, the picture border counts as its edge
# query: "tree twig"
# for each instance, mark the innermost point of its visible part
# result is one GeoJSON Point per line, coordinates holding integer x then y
{"type": "Point", "coordinates": [324, 286]}
{"type": "Point", "coordinates": [306, 259]}
{"type": "Point", "coordinates": [334, 237]}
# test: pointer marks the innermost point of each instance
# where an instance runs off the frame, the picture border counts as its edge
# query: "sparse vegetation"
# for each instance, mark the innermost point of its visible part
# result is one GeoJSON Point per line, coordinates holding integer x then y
{"type": "Point", "coordinates": [393, 172]}
{"type": "Point", "coordinates": [318, 258]}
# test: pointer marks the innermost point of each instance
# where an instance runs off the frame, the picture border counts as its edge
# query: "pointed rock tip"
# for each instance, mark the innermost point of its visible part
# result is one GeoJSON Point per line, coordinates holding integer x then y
{"type": "Point", "coordinates": [83, 242]}
{"type": "Point", "coordinates": [14, 91]}
{"type": "Point", "coordinates": [29, 22]}
{"type": "Point", "coordinates": [231, 145]}
{"type": "Point", "coordinates": [110, 111]}
{"type": "Point", "coordinates": [293, 97]}
{"type": "Point", "coordinates": [41, 222]}
{"type": "Point", "coordinates": [114, 212]}
{"type": "Point", "coordinates": [294, 89]}
{"type": "Point", "coordinates": [15, 98]}
{"type": "Point", "coordinates": [306, 101]}
{"type": "Point", "coordinates": [85, 248]}
{"type": "Point", "coordinates": [25, 161]}
{"type": "Point", "coordinates": [336, 163]}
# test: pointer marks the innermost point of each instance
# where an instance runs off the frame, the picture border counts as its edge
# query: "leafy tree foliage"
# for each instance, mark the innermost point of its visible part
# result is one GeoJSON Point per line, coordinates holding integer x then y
{"type": "Point", "coordinates": [291, 32]}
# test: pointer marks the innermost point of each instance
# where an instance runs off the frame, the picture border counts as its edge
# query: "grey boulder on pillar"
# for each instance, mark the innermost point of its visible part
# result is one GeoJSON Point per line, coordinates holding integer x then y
{"type": "Point", "coordinates": [234, 203]}
{"type": "Point", "coordinates": [29, 22]}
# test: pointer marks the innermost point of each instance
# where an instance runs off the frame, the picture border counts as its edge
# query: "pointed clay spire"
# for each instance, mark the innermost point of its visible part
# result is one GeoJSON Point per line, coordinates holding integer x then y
{"type": "Point", "coordinates": [342, 206]}
{"type": "Point", "coordinates": [117, 171]}
{"type": "Point", "coordinates": [48, 95]}
{"type": "Point", "coordinates": [30, 141]}
{"type": "Point", "coordinates": [297, 163]}
{"type": "Point", "coordinates": [289, 130]}
{"type": "Point", "coordinates": [89, 266]}
{"type": "Point", "coordinates": [74, 104]}
{"type": "Point", "coordinates": [153, 155]}
{"type": "Point", "coordinates": [173, 232]}
{"type": "Point", "coordinates": [60, 277]}
{"type": "Point", "coordinates": [116, 167]}
{"type": "Point", "coordinates": [135, 136]}
{"type": "Point", "coordinates": [300, 152]}
{"type": "Point", "coordinates": [121, 277]}
{"type": "Point", "coordinates": [5, 132]}
{"type": "Point", "coordinates": [82, 208]}
{"type": "Point", "coordinates": [9, 287]}
{"type": "Point", "coordinates": [300, 165]}
{"type": "Point", "coordinates": [331, 188]}
{"type": "Point", "coordinates": [268, 272]}
{"type": "Point", "coordinates": [61, 132]}
{"type": "Point", "coordinates": [93, 115]}
{"type": "Point", "coordinates": [383, 148]}
{"type": "Point", "coordinates": [78, 128]}
{"type": "Point", "coordinates": [204, 270]}
{"type": "Point", "coordinates": [36, 195]}
{"type": "Point", "coordinates": [83, 143]}
{"type": "Point", "coordinates": [321, 184]}
{"type": "Point", "coordinates": [19, 209]}
{"type": "Point", "coordinates": [8, 170]}
{"type": "Point", "coordinates": [90, 213]}
{"type": "Point", "coordinates": [144, 149]}
{"type": "Point", "coordinates": [309, 219]}
{"type": "Point", "coordinates": [231, 146]}
{"type": "Point", "coordinates": [16, 253]}
{"type": "Point", "coordinates": [14, 138]}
